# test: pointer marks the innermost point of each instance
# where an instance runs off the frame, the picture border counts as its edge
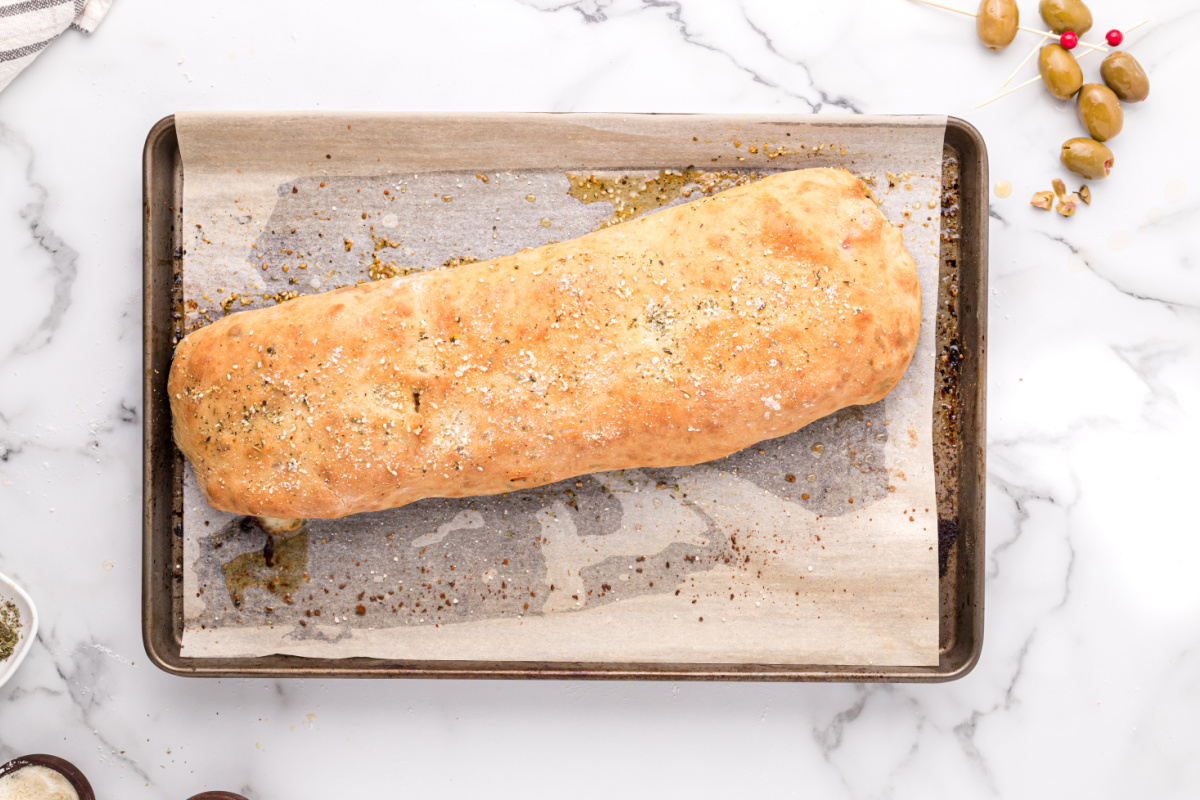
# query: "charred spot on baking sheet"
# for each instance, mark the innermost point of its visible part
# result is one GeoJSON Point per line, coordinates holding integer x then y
{"type": "Point", "coordinates": [949, 362]}
{"type": "Point", "coordinates": [947, 536]}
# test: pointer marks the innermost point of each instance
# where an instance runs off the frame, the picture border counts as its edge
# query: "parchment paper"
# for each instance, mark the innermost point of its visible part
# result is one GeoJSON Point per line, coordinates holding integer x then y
{"type": "Point", "coordinates": [819, 547]}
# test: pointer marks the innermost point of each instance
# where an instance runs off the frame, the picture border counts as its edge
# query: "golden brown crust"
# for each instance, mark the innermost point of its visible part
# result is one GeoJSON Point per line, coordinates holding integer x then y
{"type": "Point", "coordinates": [672, 339]}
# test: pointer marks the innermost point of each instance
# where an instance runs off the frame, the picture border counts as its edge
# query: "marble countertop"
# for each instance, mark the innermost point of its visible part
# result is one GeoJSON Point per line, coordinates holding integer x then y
{"type": "Point", "coordinates": [1089, 683]}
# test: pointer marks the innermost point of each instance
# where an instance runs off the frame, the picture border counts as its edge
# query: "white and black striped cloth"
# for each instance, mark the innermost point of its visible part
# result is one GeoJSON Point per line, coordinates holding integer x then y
{"type": "Point", "coordinates": [27, 26]}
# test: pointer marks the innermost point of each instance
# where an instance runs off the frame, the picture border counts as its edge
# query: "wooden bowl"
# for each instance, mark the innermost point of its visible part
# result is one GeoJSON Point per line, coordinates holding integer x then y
{"type": "Point", "coordinates": [61, 766]}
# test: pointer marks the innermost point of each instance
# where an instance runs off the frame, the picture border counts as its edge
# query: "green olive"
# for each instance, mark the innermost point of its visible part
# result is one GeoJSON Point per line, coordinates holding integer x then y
{"type": "Point", "coordinates": [1125, 76]}
{"type": "Point", "coordinates": [1060, 72]}
{"type": "Point", "coordinates": [1086, 157]}
{"type": "Point", "coordinates": [996, 23]}
{"type": "Point", "coordinates": [1066, 15]}
{"type": "Point", "coordinates": [1099, 111]}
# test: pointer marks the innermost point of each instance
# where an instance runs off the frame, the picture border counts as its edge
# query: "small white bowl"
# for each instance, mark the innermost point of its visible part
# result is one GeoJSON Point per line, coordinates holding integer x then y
{"type": "Point", "coordinates": [29, 626]}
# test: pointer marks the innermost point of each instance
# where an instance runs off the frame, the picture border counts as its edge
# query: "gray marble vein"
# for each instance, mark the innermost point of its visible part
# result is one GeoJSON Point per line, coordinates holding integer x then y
{"type": "Point", "coordinates": [967, 730]}
{"type": "Point", "coordinates": [62, 257]}
{"type": "Point", "coordinates": [591, 11]}
{"type": "Point", "coordinates": [825, 98]}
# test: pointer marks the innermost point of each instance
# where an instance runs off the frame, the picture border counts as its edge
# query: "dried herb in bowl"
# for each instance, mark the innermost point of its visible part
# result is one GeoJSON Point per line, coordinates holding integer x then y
{"type": "Point", "coordinates": [10, 627]}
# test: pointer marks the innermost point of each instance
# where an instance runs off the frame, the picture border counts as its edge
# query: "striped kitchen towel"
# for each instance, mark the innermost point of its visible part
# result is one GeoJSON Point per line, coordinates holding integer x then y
{"type": "Point", "coordinates": [27, 26]}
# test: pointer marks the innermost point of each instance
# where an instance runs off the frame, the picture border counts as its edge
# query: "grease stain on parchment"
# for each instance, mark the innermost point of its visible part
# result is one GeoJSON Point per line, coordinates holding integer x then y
{"type": "Point", "coordinates": [278, 569]}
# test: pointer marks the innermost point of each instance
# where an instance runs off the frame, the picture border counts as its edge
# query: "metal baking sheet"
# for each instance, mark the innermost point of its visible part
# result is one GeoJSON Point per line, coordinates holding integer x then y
{"type": "Point", "coordinates": [958, 420]}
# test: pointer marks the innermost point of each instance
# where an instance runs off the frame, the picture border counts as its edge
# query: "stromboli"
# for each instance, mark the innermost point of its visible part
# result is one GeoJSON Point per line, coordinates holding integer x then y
{"type": "Point", "coordinates": [672, 339]}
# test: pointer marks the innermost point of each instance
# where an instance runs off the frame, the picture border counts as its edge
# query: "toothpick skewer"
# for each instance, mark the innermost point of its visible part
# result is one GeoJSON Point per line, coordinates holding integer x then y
{"type": "Point", "coordinates": [947, 8]}
{"type": "Point", "coordinates": [1035, 80]}
{"type": "Point", "coordinates": [1036, 48]}
{"type": "Point", "coordinates": [972, 14]}
{"type": "Point", "coordinates": [1015, 88]}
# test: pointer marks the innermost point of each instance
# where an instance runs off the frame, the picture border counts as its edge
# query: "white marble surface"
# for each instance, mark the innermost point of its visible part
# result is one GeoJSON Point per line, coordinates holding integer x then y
{"type": "Point", "coordinates": [1089, 683]}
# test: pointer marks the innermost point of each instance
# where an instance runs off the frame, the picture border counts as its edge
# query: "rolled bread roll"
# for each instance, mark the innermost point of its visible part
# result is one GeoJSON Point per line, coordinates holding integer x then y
{"type": "Point", "coordinates": [673, 339]}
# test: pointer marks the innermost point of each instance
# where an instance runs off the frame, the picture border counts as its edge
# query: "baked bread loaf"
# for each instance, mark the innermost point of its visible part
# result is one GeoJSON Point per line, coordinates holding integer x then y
{"type": "Point", "coordinates": [672, 339]}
